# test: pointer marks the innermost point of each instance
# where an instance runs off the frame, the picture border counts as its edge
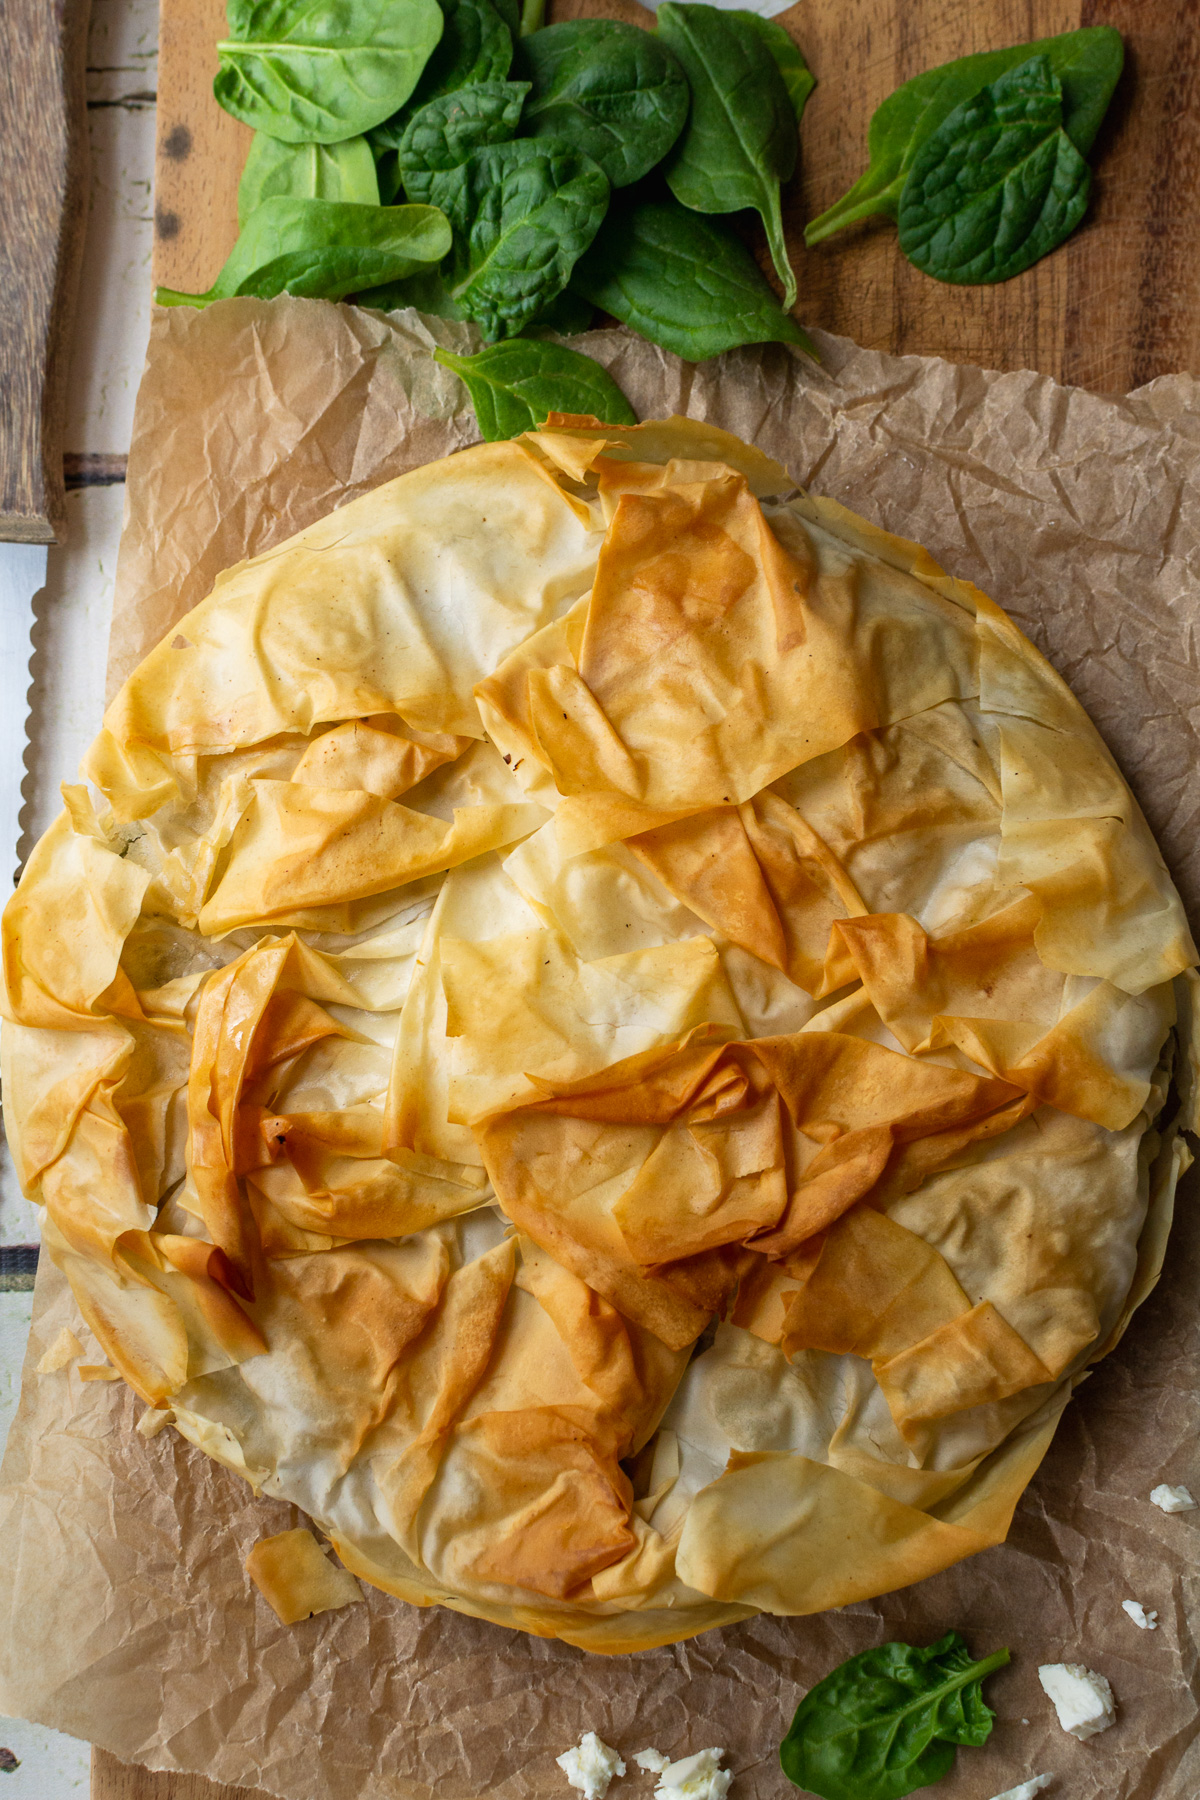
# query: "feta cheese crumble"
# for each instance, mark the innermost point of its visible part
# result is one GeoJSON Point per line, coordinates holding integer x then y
{"type": "Point", "coordinates": [1172, 1499]}
{"type": "Point", "coordinates": [1027, 1789]}
{"type": "Point", "coordinates": [698, 1777]}
{"type": "Point", "coordinates": [1082, 1699]}
{"type": "Point", "coordinates": [654, 1760]}
{"type": "Point", "coordinates": [590, 1766]}
{"type": "Point", "coordinates": [1148, 1621]}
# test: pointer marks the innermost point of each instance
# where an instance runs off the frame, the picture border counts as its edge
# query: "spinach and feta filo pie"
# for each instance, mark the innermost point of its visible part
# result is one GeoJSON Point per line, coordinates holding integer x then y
{"type": "Point", "coordinates": [611, 1032]}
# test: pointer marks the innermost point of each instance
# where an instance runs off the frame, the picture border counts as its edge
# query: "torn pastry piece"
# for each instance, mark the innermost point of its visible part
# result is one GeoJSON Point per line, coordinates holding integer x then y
{"type": "Point", "coordinates": [296, 1578]}
{"type": "Point", "coordinates": [65, 1348]}
{"type": "Point", "coordinates": [760, 876]}
{"type": "Point", "coordinates": [375, 756]}
{"type": "Point", "coordinates": [529, 1488]}
{"type": "Point", "coordinates": [438, 575]}
{"type": "Point", "coordinates": [252, 1018]}
{"type": "Point", "coordinates": [300, 851]}
{"type": "Point", "coordinates": [664, 1174]}
{"type": "Point", "coordinates": [717, 654]}
{"type": "Point", "coordinates": [326, 1174]}
{"type": "Point", "coordinates": [986, 990]}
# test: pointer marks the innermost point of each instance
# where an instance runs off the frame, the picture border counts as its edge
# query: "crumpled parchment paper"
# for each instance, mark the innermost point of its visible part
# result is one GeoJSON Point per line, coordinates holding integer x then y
{"type": "Point", "coordinates": [127, 1617]}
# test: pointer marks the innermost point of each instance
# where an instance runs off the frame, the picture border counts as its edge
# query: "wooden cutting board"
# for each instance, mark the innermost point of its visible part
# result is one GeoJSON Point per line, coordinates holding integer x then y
{"type": "Point", "coordinates": [1116, 306]}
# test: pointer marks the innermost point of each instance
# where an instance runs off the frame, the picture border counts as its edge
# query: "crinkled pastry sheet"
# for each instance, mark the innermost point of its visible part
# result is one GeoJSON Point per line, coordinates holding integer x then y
{"type": "Point", "coordinates": [1075, 513]}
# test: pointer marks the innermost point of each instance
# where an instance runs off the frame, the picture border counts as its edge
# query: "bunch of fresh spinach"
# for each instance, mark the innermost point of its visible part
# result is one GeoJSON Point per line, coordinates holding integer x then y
{"type": "Point", "coordinates": [887, 1721]}
{"type": "Point", "coordinates": [608, 107]}
{"type": "Point", "coordinates": [934, 123]}
{"type": "Point", "coordinates": [514, 135]}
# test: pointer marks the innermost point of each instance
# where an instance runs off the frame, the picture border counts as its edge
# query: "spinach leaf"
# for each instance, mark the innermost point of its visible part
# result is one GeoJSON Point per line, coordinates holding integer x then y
{"type": "Point", "coordinates": [1087, 62]}
{"type": "Point", "coordinates": [427, 291]}
{"type": "Point", "coordinates": [998, 184]}
{"type": "Point", "coordinates": [318, 71]}
{"type": "Point", "coordinates": [684, 282]}
{"type": "Point", "coordinates": [476, 46]}
{"type": "Point", "coordinates": [613, 90]}
{"type": "Point", "coordinates": [739, 143]}
{"type": "Point", "coordinates": [344, 171]}
{"type": "Point", "coordinates": [323, 249]}
{"type": "Point", "coordinates": [522, 214]}
{"type": "Point", "coordinates": [887, 1721]}
{"type": "Point", "coordinates": [514, 386]}
{"type": "Point", "coordinates": [444, 133]}
{"type": "Point", "coordinates": [510, 12]}
{"type": "Point", "coordinates": [567, 314]}
{"type": "Point", "coordinates": [798, 78]}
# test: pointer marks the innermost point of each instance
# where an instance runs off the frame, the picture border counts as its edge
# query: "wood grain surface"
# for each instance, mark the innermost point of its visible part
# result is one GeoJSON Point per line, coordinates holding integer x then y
{"type": "Point", "coordinates": [43, 202]}
{"type": "Point", "coordinates": [1114, 307]}
{"type": "Point", "coordinates": [115, 1780]}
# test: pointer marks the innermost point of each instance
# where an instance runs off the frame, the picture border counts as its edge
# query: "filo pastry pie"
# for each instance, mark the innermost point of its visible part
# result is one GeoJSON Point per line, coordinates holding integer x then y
{"type": "Point", "coordinates": [609, 1031]}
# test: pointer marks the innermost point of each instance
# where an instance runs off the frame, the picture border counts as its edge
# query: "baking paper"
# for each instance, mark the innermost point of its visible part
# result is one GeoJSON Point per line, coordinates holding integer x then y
{"type": "Point", "coordinates": [129, 1618]}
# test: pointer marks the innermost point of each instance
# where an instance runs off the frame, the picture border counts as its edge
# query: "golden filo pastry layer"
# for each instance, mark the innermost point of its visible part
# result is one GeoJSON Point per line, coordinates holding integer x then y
{"type": "Point", "coordinates": [611, 1032]}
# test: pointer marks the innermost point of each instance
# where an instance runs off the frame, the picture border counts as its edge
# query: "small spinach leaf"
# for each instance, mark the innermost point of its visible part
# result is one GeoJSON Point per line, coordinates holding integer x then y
{"type": "Point", "coordinates": [344, 171]}
{"type": "Point", "coordinates": [444, 133]}
{"type": "Point", "coordinates": [886, 1721]}
{"type": "Point", "coordinates": [683, 281]}
{"type": "Point", "coordinates": [1087, 62]}
{"type": "Point", "coordinates": [613, 90]}
{"type": "Point", "coordinates": [998, 184]}
{"type": "Point", "coordinates": [515, 386]}
{"type": "Point", "coordinates": [318, 71]}
{"type": "Point", "coordinates": [476, 46]}
{"type": "Point", "coordinates": [323, 249]}
{"type": "Point", "coordinates": [798, 78]}
{"type": "Point", "coordinates": [739, 143]}
{"type": "Point", "coordinates": [522, 213]}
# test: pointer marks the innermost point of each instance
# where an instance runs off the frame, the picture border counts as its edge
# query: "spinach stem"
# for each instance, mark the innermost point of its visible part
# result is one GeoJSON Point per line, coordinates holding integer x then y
{"type": "Point", "coordinates": [533, 17]}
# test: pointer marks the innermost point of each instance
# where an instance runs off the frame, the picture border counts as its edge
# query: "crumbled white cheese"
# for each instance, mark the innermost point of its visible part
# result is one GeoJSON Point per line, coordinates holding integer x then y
{"type": "Point", "coordinates": [1027, 1789]}
{"type": "Point", "coordinates": [1172, 1499]}
{"type": "Point", "coordinates": [1137, 1612]}
{"type": "Point", "coordinates": [1082, 1699]}
{"type": "Point", "coordinates": [698, 1777]}
{"type": "Point", "coordinates": [654, 1760]}
{"type": "Point", "coordinates": [590, 1766]}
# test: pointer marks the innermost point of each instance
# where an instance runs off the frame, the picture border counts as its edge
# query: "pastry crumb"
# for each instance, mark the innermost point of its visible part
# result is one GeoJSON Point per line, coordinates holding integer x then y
{"type": "Point", "coordinates": [65, 1348]}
